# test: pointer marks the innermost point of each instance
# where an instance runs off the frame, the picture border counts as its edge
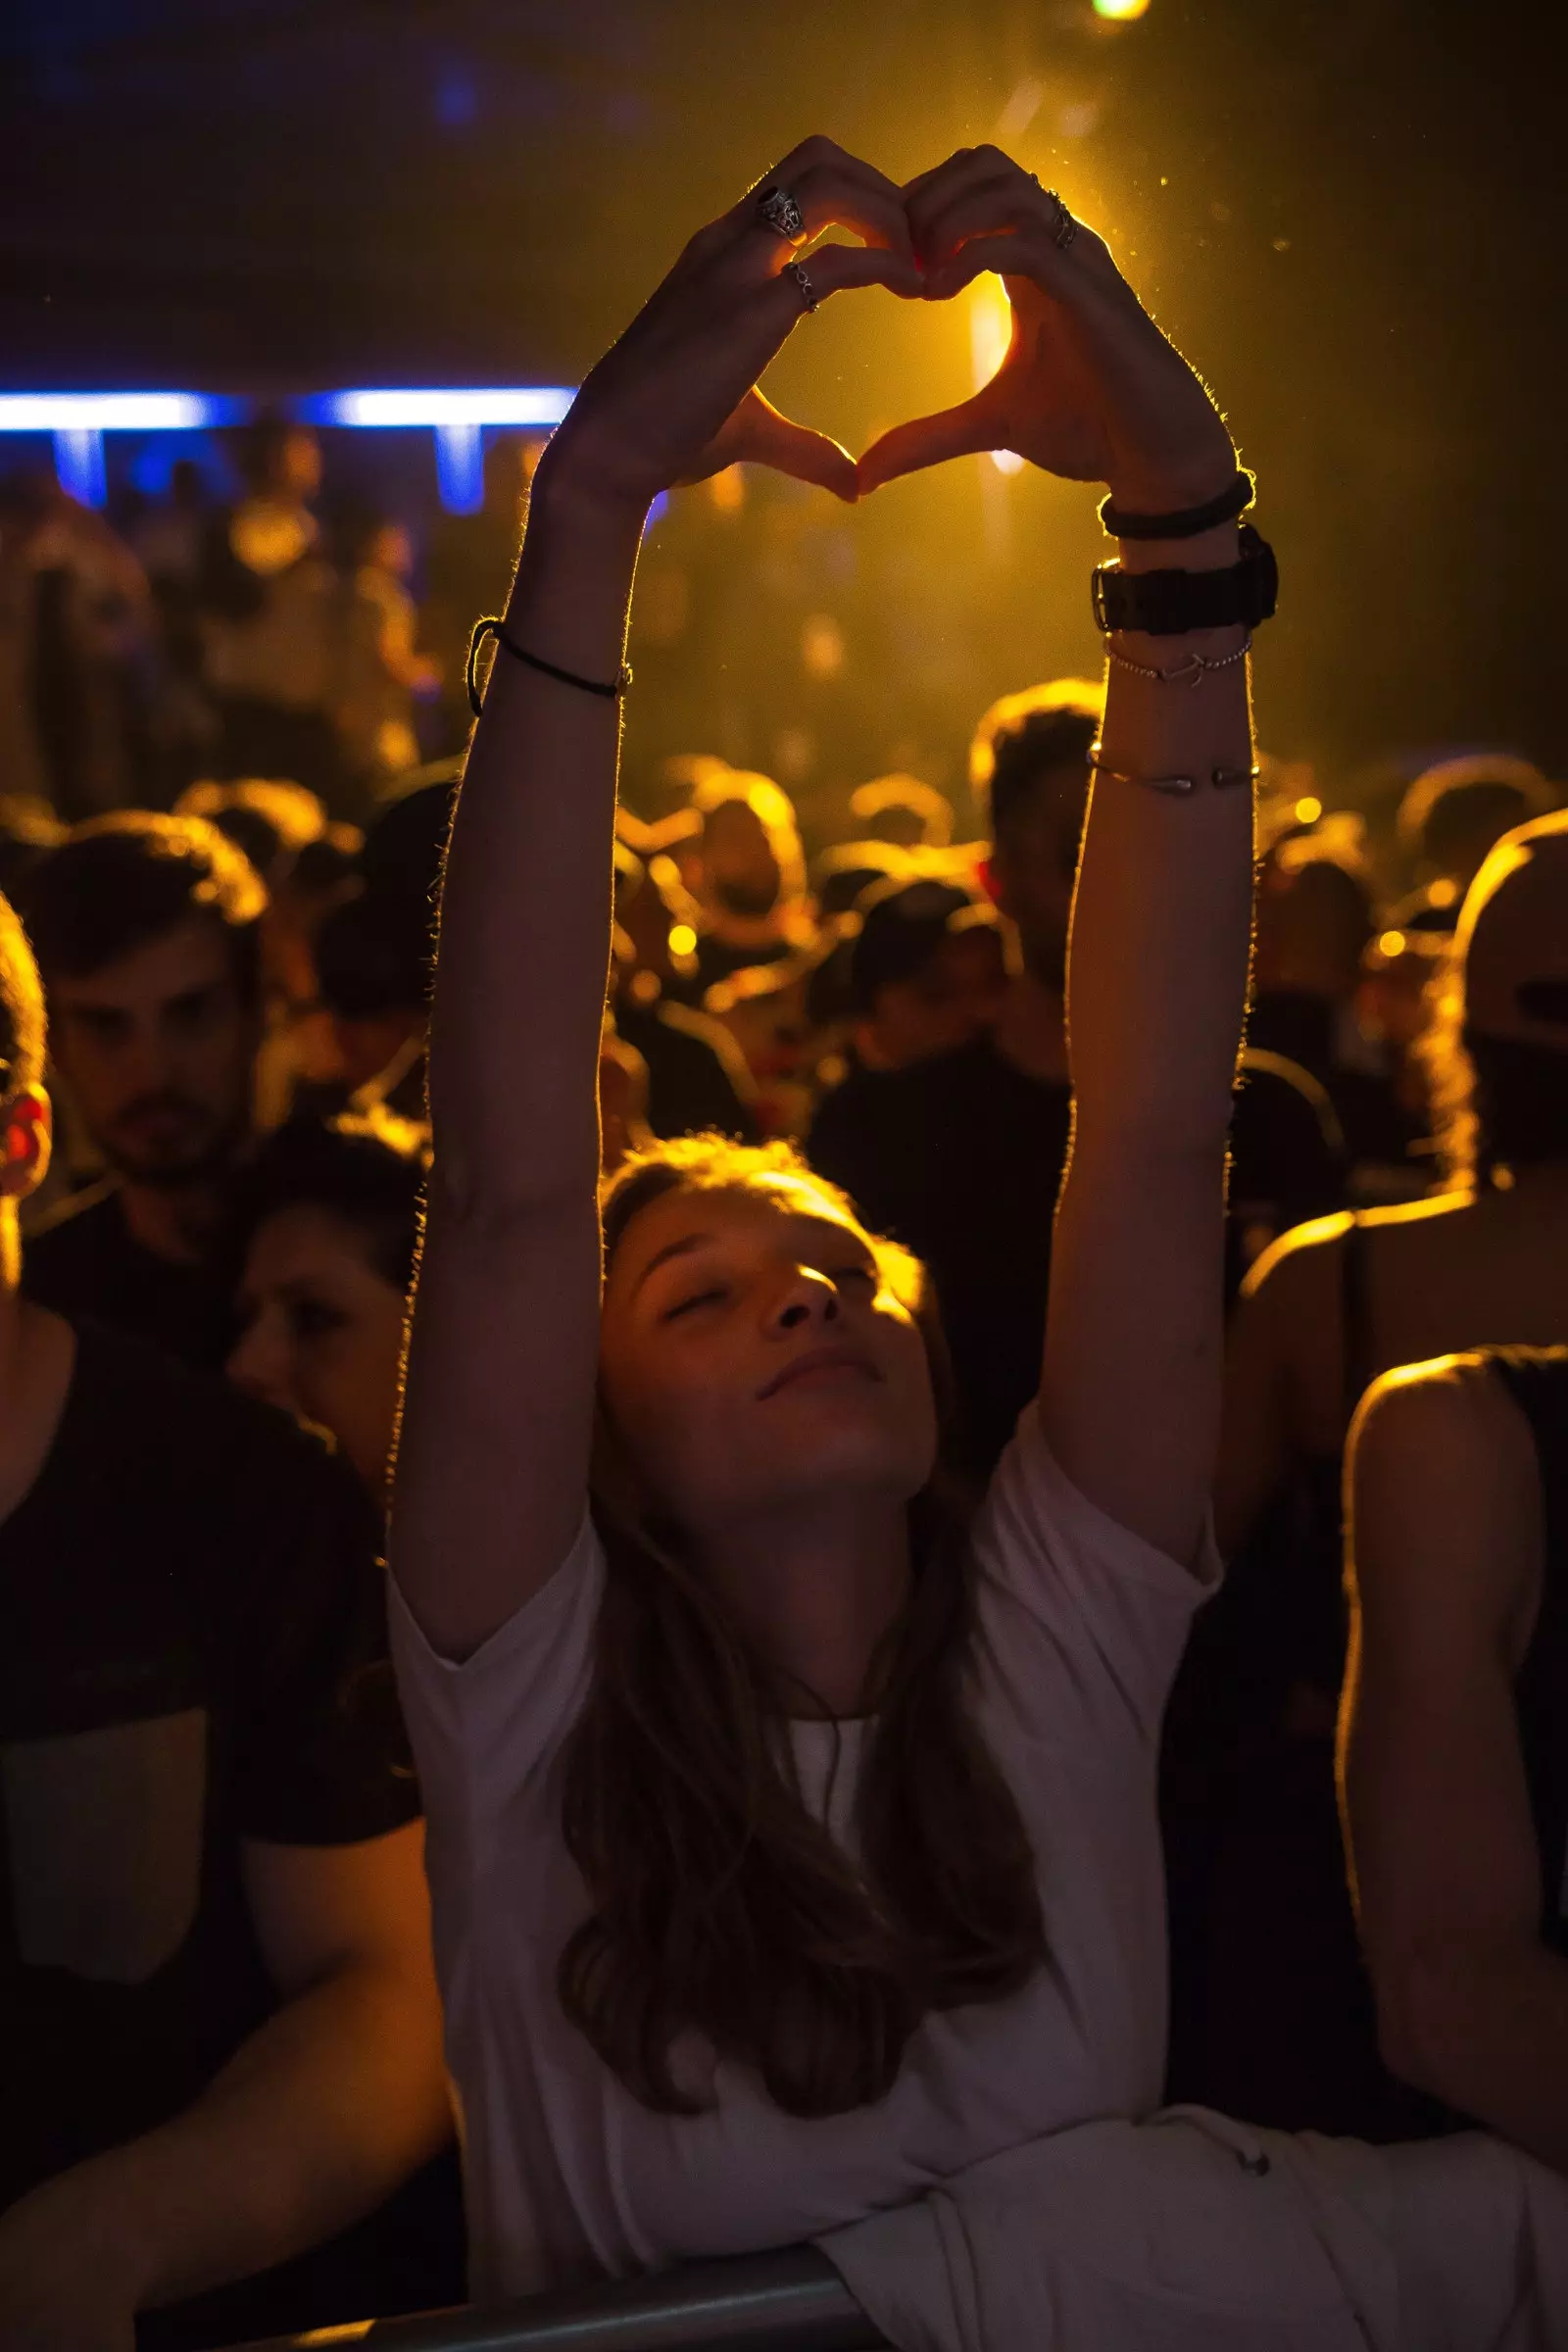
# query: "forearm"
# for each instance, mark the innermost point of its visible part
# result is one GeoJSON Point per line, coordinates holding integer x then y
{"type": "Point", "coordinates": [1490, 2038]}
{"type": "Point", "coordinates": [317, 2119]}
{"type": "Point", "coordinates": [526, 910]}
{"type": "Point", "coordinates": [1162, 918]}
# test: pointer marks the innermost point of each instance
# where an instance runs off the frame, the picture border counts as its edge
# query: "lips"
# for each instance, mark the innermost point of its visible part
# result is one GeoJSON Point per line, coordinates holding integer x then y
{"type": "Point", "coordinates": [816, 1360]}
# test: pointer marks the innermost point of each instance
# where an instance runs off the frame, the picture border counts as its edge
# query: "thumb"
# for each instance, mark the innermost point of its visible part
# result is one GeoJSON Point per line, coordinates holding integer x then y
{"type": "Point", "coordinates": [924, 441]}
{"type": "Point", "coordinates": [769, 437]}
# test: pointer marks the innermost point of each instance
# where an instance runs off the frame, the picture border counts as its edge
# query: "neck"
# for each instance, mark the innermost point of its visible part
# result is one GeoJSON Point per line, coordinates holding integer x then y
{"type": "Point", "coordinates": [180, 1223]}
{"type": "Point", "coordinates": [816, 1595]}
{"type": "Point", "coordinates": [1031, 1028]}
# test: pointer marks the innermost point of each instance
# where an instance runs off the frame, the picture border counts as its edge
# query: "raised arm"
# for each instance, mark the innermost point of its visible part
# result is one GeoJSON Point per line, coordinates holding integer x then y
{"type": "Point", "coordinates": [1446, 1564]}
{"type": "Point", "coordinates": [493, 1455]}
{"type": "Point", "coordinates": [1161, 923]}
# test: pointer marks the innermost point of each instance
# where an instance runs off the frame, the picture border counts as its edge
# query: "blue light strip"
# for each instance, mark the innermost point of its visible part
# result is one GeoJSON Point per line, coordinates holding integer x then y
{"type": "Point", "coordinates": [78, 421]}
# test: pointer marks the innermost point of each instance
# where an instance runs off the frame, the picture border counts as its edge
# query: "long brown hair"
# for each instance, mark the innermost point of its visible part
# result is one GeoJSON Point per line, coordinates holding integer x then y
{"type": "Point", "coordinates": [720, 1905]}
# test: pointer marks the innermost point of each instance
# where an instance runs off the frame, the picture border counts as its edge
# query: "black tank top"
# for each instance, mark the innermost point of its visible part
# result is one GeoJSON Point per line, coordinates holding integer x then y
{"type": "Point", "coordinates": [1537, 1379]}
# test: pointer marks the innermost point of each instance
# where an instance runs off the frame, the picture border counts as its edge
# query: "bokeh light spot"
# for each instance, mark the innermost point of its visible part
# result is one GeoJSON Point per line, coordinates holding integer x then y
{"type": "Point", "coordinates": [1308, 809]}
{"type": "Point", "coordinates": [1121, 12]}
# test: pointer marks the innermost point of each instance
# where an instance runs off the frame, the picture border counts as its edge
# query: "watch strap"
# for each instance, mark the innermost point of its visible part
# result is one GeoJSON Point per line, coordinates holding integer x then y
{"type": "Point", "coordinates": [1167, 604]}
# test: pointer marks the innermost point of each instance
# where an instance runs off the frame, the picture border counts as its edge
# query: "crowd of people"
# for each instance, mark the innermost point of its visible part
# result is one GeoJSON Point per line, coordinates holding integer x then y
{"type": "Point", "coordinates": [792, 1810]}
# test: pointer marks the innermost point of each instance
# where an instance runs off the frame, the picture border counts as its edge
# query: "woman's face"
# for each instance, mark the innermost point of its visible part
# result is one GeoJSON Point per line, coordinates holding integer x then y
{"type": "Point", "coordinates": [755, 1363]}
{"type": "Point", "coordinates": [322, 1334]}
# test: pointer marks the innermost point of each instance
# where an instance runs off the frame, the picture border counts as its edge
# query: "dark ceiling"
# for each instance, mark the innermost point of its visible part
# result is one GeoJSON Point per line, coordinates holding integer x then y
{"type": "Point", "coordinates": [1351, 211]}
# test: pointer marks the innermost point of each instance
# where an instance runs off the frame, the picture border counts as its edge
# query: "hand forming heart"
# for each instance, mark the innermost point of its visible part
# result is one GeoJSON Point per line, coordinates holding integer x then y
{"type": "Point", "coordinates": [1089, 389]}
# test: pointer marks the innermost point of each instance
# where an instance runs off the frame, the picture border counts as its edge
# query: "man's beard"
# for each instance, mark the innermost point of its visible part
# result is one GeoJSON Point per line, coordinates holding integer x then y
{"type": "Point", "coordinates": [197, 1145]}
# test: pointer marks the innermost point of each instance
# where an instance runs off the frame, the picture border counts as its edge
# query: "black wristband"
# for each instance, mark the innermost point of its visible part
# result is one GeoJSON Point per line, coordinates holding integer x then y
{"type": "Point", "coordinates": [1167, 604]}
{"type": "Point", "coordinates": [1231, 502]}
{"type": "Point", "coordinates": [490, 626]}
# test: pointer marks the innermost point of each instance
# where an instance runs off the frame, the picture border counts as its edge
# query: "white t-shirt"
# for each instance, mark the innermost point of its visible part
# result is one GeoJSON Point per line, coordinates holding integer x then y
{"type": "Point", "coordinates": [568, 2175]}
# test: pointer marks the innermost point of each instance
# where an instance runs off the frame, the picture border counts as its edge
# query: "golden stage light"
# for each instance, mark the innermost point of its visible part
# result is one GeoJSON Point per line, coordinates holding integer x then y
{"type": "Point", "coordinates": [1308, 809]}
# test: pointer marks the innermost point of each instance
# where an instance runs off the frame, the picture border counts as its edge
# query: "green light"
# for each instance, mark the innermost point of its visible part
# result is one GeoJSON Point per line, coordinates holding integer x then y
{"type": "Point", "coordinates": [1121, 12]}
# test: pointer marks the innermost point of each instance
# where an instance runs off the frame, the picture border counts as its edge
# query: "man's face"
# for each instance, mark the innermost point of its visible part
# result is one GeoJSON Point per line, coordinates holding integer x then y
{"type": "Point", "coordinates": [1033, 864]}
{"type": "Point", "coordinates": [159, 1049]}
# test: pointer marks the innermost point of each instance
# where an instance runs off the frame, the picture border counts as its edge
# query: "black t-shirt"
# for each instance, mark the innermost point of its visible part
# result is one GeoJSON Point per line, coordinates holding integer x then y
{"type": "Point", "coordinates": [192, 1654]}
{"type": "Point", "coordinates": [961, 1159]}
{"type": "Point", "coordinates": [84, 1260]}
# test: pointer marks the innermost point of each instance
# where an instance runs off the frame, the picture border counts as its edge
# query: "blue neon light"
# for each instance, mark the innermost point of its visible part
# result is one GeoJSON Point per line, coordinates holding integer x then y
{"type": "Point", "coordinates": [542, 405]}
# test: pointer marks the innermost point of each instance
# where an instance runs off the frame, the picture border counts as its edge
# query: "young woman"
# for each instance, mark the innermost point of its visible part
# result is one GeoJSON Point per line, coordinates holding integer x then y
{"type": "Point", "coordinates": [793, 1840]}
{"type": "Point", "coordinates": [330, 1219]}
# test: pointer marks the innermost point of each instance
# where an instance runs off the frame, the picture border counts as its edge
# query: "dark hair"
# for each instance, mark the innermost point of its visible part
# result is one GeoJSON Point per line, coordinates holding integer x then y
{"type": "Point", "coordinates": [1460, 805]}
{"type": "Point", "coordinates": [368, 1172]}
{"type": "Point", "coordinates": [371, 957]}
{"type": "Point", "coordinates": [21, 1016]}
{"type": "Point", "coordinates": [268, 819]}
{"type": "Point", "coordinates": [118, 882]}
{"type": "Point", "coordinates": [719, 1904]}
{"type": "Point", "coordinates": [1024, 736]}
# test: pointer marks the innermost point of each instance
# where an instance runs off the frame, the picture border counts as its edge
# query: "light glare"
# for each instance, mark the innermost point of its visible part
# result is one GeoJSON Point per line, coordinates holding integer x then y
{"type": "Point", "coordinates": [110, 412]}
{"type": "Point", "coordinates": [1308, 809]}
{"type": "Point", "coordinates": [517, 404]}
{"type": "Point", "coordinates": [1121, 12]}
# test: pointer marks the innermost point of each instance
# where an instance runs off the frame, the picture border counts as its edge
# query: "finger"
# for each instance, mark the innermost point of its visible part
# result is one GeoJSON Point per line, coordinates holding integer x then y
{"type": "Point", "coordinates": [963, 175]}
{"type": "Point", "coordinates": [767, 437]}
{"type": "Point", "coordinates": [959, 432]}
{"type": "Point", "coordinates": [835, 269]}
{"type": "Point", "coordinates": [1026, 254]}
{"type": "Point", "coordinates": [860, 200]}
{"type": "Point", "coordinates": [1010, 207]}
{"type": "Point", "coordinates": [832, 189]}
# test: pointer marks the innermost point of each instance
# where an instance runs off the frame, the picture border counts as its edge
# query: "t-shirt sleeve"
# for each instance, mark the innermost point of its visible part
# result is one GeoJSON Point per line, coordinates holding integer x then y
{"type": "Point", "coordinates": [1115, 1610]}
{"type": "Point", "coordinates": [484, 1726]}
{"type": "Point", "coordinates": [321, 1757]}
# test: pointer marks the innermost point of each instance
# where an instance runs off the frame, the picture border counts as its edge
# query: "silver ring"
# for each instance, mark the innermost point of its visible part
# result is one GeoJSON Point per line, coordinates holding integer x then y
{"type": "Point", "coordinates": [1066, 227]}
{"type": "Point", "coordinates": [779, 211]}
{"type": "Point", "coordinates": [809, 293]}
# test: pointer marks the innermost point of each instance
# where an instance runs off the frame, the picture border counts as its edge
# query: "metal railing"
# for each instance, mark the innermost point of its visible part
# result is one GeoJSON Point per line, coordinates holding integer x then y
{"type": "Point", "coordinates": [789, 2301]}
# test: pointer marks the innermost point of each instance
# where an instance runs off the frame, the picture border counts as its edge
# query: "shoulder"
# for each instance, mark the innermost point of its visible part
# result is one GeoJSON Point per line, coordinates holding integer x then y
{"type": "Point", "coordinates": [196, 1434]}
{"type": "Point", "coordinates": [1444, 1493]}
{"type": "Point", "coordinates": [1448, 1423]}
{"type": "Point", "coordinates": [74, 1220]}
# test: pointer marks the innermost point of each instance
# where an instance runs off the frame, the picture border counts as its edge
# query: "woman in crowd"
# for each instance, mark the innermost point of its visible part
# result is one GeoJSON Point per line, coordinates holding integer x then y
{"type": "Point", "coordinates": [792, 1834]}
{"type": "Point", "coordinates": [1273, 2014]}
{"type": "Point", "coordinates": [771, 1577]}
{"type": "Point", "coordinates": [330, 1217]}
{"type": "Point", "coordinates": [1454, 1734]}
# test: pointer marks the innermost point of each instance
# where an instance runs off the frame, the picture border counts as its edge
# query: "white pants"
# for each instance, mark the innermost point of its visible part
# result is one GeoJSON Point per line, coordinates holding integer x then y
{"type": "Point", "coordinates": [1191, 2234]}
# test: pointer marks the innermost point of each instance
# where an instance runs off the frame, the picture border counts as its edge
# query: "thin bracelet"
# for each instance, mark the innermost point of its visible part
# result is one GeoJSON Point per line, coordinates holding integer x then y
{"type": "Point", "coordinates": [491, 626]}
{"type": "Point", "coordinates": [1185, 672]}
{"type": "Point", "coordinates": [1225, 779]}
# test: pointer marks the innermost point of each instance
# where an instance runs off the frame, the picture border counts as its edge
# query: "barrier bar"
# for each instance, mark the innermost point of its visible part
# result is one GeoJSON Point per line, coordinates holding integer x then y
{"type": "Point", "coordinates": [792, 2301]}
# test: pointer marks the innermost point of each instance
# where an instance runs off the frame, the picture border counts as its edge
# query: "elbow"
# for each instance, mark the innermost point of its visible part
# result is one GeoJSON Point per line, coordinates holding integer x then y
{"type": "Point", "coordinates": [493, 1195]}
{"type": "Point", "coordinates": [1425, 2024]}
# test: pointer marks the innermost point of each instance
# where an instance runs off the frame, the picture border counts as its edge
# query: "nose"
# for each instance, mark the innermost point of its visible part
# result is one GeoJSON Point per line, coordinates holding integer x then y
{"type": "Point", "coordinates": [259, 1362]}
{"type": "Point", "coordinates": [807, 1297]}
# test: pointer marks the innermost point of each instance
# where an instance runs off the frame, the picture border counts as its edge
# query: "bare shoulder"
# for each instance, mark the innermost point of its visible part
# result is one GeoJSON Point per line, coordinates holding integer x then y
{"type": "Point", "coordinates": [1445, 1488]}
{"type": "Point", "coordinates": [1450, 1416]}
{"type": "Point", "coordinates": [1302, 1264]}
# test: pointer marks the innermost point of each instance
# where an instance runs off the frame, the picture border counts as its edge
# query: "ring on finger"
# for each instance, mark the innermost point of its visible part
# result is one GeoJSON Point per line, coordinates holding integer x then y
{"type": "Point", "coordinates": [1066, 228]}
{"type": "Point", "coordinates": [778, 211]}
{"type": "Point", "coordinates": [809, 293]}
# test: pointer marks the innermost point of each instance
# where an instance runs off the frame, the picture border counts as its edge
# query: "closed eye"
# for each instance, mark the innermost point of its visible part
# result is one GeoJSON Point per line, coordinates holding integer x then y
{"type": "Point", "coordinates": [684, 1306]}
{"type": "Point", "coordinates": [857, 1273]}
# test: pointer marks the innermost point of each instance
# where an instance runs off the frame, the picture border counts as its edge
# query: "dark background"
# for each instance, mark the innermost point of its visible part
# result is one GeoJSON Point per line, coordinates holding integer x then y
{"type": "Point", "coordinates": [1349, 211]}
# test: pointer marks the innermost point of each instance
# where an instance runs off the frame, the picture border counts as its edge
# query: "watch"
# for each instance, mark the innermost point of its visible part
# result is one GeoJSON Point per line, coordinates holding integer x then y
{"type": "Point", "coordinates": [1167, 604]}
